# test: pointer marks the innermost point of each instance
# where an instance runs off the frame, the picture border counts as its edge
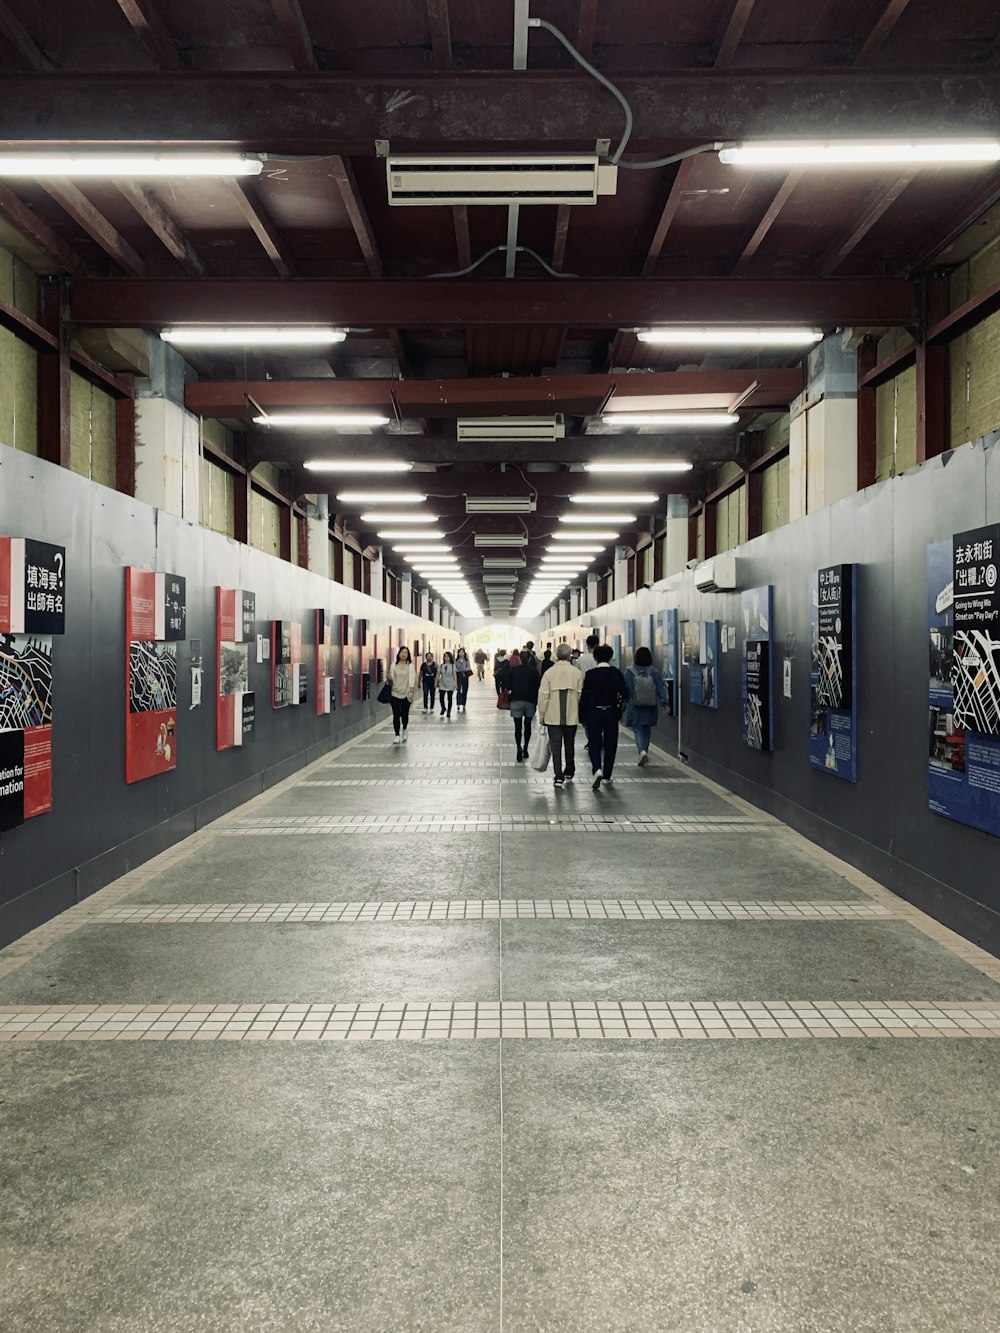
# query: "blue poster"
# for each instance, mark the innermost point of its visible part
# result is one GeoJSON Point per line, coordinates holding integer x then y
{"type": "Point", "coordinates": [963, 771]}
{"type": "Point", "coordinates": [666, 655]}
{"type": "Point", "coordinates": [630, 645]}
{"type": "Point", "coordinates": [757, 668]}
{"type": "Point", "coordinates": [616, 644]}
{"type": "Point", "coordinates": [703, 658]}
{"type": "Point", "coordinates": [833, 674]}
{"type": "Point", "coordinates": [646, 631]}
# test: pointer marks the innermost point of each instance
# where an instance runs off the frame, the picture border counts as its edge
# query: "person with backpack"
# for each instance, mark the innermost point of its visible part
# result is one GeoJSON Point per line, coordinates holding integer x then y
{"type": "Point", "coordinates": [428, 680]}
{"type": "Point", "coordinates": [500, 667]}
{"type": "Point", "coordinates": [601, 700]}
{"type": "Point", "coordinates": [647, 694]}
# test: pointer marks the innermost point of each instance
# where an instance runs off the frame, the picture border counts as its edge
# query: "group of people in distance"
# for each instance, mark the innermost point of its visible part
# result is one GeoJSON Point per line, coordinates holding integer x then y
{"type": "Point", "coordinates": [446, 679]}
{"type": "Point", "coordinates": [573, 688]}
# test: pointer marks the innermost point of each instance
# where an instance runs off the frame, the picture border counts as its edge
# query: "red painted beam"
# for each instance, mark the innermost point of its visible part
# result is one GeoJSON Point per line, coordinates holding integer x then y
{"type": "Point", "coordinates": [576, 394]}
{"type": "Point", "coordinates": [145, 21]}
{"type": "Point", "coordinates": [247, 201]}
{"type": "Point", "coordinates": [344, 112]}
{"type": "Point", "coordinates": [593, 303]}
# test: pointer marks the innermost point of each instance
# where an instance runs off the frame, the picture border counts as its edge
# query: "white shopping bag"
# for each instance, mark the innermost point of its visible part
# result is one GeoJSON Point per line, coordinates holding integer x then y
{"type": "Point", "coordinates": [540, 751]}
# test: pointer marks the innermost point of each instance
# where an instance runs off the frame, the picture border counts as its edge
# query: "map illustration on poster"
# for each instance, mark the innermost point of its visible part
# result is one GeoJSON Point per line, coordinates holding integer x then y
{"type": "Point", "coordinates": [32, 611]}
{"type": "Point", "coordinates": [155, 620]}
{"type": "Point", "coordinates": [963, 614]}
{"type": "Point", "coordinates": [668, 646]}
{"type": "Point", "coordinates": [235, 629]}
{"type": "Point", "coordinates": [758, 697]}
{"type": "Point", "coordinates": [701, 652]}
{"type": "Point", "coordinates": [833, 717]}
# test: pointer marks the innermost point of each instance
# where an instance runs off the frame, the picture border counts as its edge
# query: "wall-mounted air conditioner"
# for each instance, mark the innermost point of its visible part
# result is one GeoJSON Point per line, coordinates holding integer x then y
{"type": "Point", "coordinates": [501, 562]}
{"type": "Point", "coordinates": [532, 430]}
{"type": "Point", "coordinates": [716, 575]}
{"type": "Point", "coordinates": [498, 178]}
{"type": "Point", "coordinates": [500, 504]}
{"type": "Point", "coordinates": [501, 539]}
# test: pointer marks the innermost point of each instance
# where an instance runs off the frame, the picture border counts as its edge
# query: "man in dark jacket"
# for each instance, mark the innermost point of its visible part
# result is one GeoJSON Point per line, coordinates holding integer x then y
{"type": "Point", "coordinates": [601, 703]}
{"type": "Point", "coordinates": [546, 660]}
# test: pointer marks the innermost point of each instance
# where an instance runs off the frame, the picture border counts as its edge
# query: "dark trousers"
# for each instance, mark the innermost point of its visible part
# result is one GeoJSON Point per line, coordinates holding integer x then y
{"type": "Point", "coordinates": [428, 694]}
{"type": "Point", "coordinates": [400, 714]}
{"type": "Point", "coordinates": [522, 727]}
{"type": "Point", "coordinates": [602, 736]}
{"type": "Point", "coordinates": [446, 695]}
{"type": "Point", "coordinates": [463, 689]}
{"type": "Point", "coordinates": [560, 737]}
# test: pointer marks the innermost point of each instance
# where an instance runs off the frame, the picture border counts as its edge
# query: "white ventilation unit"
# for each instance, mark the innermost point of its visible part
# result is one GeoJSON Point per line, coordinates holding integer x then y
{"type": "Point", "coordinates": [500, 504]}
{"type": "Point", "coordinates": [716, 575]}
{"type": "Point", "coordinates": [498, 562]}
{"type": "Point", "coordinates": [501, 539]}
{"type": "Point", "coordinates": [533, 430]}
{"type": "Point", "coordinates": [498, 178]}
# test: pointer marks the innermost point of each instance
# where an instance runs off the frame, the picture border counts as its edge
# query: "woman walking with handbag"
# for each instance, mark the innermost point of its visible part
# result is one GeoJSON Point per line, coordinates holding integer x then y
{"type": "Point", "coordinates": [523, 681]}
{"type": "Point", "coordinates": [463, 674]}
{"type": "Point", "coordinates": [403, 680]}
{"type": "Point", "coordinates": [446, 682]}
{"type": "Point", "coordinates": [559, 710]}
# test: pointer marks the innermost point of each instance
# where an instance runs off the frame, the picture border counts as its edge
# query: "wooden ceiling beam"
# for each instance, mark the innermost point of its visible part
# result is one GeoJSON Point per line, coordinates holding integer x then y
{"type": "Point", "coordinates": [39, 234]}
{"type": "Point", "coordinates": [732, 33]}
{"type": "Point", "coordinates": [145, 21]}
{"type": "Point", "coordinates": [670, 207]}
{"type": "Point", "coordinates": [296, 34]}
{"type": "Point", "coordinates": [767, 221]}
{"type": "Point", "coordinates": [27, 50]}
{"type": "Point", "coordinates": [440, 29]}
{"type": "Point", "coordinates": [878, 205]}
{"type": "Point", "coordinates": [162, 225]}
{"type": "Point", "coordinates": [96, 225]}
{"type": "Point", "coordinates": [884, 24]}
{"type": "Point", "coordinates": [249, 203]}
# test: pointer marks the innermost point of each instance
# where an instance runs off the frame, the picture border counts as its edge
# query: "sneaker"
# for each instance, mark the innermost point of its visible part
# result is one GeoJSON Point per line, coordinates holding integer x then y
{"type": "Point", "coordinates": [607, 777]}
{"type": "Point", "coordinates": [404, 735]}
{"type": "Point", "coordinates": [643, 759]}
{"type": "Point", "coordinates": [570, 775]}
{"type": "Point", "coordinates": [596, 784]}
{"type": "Point", "coordinates": [558, 782]}
{"type": "Point", "coordinates": [396, 740]}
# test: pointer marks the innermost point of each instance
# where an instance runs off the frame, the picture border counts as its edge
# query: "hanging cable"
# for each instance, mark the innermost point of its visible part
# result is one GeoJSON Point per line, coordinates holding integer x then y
{"type": "Point", "coordinates": [502, 249]}
{"type": "Point", "coordinates": [605, 82]}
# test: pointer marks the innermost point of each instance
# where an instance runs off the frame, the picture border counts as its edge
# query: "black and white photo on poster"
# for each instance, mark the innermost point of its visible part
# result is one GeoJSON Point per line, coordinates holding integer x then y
{"type": "Point", "coordinates": [248, 613]}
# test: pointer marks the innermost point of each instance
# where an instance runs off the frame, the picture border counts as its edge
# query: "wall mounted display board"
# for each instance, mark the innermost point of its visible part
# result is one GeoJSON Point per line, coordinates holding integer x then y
{"type": "Point", "coordinates": [286, 663]}
{"type": "Point", "coordinates": [628, 653]}
{"type": "Point", "coordinates": [346, 661]}
{"type": "Point", "coordinates": [702, 655]}
{"type": "Point", "coordinates": [963, 613]}
{"type": "Point", "coordinates": [325, 663]}
{"type": "Point", "coordinates": [32, 611]}
{"type": "Point", "coordinates": [758, 686]}
{"type": "Point", "coordinates": [616, 644]}
{"type": "Point", "coordinates": [365, 667]}
{"type": "Point", "coordinates": [833, 717]}
{"type": "Point", "coordinates": [235, 629]}
{"type": "Point", "coordinates": [155, 621]}
{"type": "Point", "coordinates": [667, 655]}
{"type": "Point", "coordinates": [646, 631]}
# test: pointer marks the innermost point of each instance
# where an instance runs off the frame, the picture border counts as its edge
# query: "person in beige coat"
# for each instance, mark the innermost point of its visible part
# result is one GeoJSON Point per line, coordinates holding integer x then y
{"type": "Point", "coordinates": [559, 710]}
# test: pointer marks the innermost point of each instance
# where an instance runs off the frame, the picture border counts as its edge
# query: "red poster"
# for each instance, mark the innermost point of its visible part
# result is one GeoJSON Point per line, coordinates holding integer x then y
{"type": "Point", "coordinates": [235, 703]}
{"type": "Point", "coordinates": [324, 662]}
{"type": "Point", "coordinates": [150, 680]}
{"type": "Point", "coordinates": [37, 771]}
{"type": "Point", "coordinates": [140, 590]}
{"type": "Point", "coordinates": [5, 625]}
{"type": "Point", "coordinates": [152, 744]}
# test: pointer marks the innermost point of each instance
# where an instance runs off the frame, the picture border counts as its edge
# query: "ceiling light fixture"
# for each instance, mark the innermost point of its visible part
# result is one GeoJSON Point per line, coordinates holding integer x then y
{"type": "Point", "coordinates": [604, 518]}
{"type": "Point", "coordinates": [730, 337]}
{"type": "Point", "coordinates": [594, 536]}
{"type": "Point", "coordinates": [353, 465]}
{"type": "Point", "coordinates": [380, 498]}
{"type": "Point", "coordinates": [376, 517]}
{"type": "Point", "coordinates": [626, 469]}
{"type": "Point", "coordinates": [861, 153]}
{"type": "Point", "coordinates": [606, 498]}
{"type": "Point", "coordinates": [575, 550]}
{"type": "Point", "coordinates": [321, 419]}
{"type": "Point", "coordinates": [122, 166]}
{"type": "Point", "coordinates": [668, 419]}
{"type": "Point", "coordinates": [401, 534]}
{"type": "Point", "coordinates": [436, 547]}
{"type": "Point", "coordinates": [252, 337]}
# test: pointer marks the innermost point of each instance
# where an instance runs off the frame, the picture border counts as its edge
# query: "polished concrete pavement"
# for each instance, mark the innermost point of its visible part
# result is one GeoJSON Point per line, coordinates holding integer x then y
{"type": "Point", "coordinates": [415, 1041]}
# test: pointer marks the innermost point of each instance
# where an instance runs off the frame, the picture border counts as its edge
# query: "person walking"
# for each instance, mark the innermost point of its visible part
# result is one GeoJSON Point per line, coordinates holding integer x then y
{"type": "Point", "coordinates": [586, 661]}
{"type": "Point", "coordinates": [428, 680]}
{"type": "Point", "coordinates": [500, 665]}
{"type": "Point", "coordinates": [559, 710]}
{"type": "Point", "coordinates": [546, 661]}
{"type": "Point", "coordinates": [647, 694]}
{"type": "Point", "coordinates": [446, 679]}
{"type": "Point", "coordinates": [604, 693]}
{"type": "Point", "coordinates": [480, 660]}
{"type": "Point", "coordinates": [463, 673]}
{"type": "Point", "coordinates": [523, 681]}
{"type": "Point", "coordinates": [403, 676]}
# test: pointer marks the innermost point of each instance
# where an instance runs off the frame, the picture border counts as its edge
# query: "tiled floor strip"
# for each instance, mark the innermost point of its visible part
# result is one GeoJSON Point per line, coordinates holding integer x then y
{"type": "Point", "coordinates": [478, 909]}
{"type": "Point", "coordinates": [609, 1019]}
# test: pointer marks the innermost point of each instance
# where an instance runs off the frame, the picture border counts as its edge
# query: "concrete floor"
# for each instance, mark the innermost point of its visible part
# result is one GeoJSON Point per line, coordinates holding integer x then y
{"type": "Point", "coordinates": [279, 1177]}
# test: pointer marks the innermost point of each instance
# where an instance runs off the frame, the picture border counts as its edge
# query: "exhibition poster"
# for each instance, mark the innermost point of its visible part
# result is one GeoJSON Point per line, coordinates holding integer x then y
{"type": "Point", "coordinates": [963, 614]}
{"type": "Point", "coordinates": [833, 716]}
{"type": "Point", "coordinates": [32, 611]}
{"type": "Point", "coordinates": [757, 683]}
{"type": "Point", "coordinates": [326, 666]}
{"type": "Point", "coordinates": [701, 651]}
{"type": "Point", "coordinates": [235, 629]}
{"type": "Point", "coordinates": [668, 644]}
{"type": "Point", "coordinates": [155, 620]}
{"type": "Point", "coordinates": [347, 650]}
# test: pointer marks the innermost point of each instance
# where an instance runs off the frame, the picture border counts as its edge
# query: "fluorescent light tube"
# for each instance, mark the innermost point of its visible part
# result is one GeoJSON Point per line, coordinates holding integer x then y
{"type": "Point", "coordinates": [671, 419]}
{"type": "Point", "coordinates": [379, 498]}
{"type": "Point", "coordinates": [575, 550]}
{"type": "Point", "coordinates": [321, 419]}
{"type": "Point", "coordinates": [604, 518]}
{"type": "Point", "coordinates": [633, 498]}
{"type": "Point", "coordinates": [860, 153]}
{"type": "Point", "coordinates": [734, 337]}
{"type": "Point", "coordinates": [123, 166]}
{"type": "Point", "coordinates": [252, 337]}
{"type": "Point", "coordinates": [628, 468]}
{"type": "Point", "coordinates": [401, 534]}
{"type": "Point", "coordinates": [353, 465]}
{"type": "Point", "coordinates": [595, 536]}
{"type": "Point", "coordinates": [376, 517]}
